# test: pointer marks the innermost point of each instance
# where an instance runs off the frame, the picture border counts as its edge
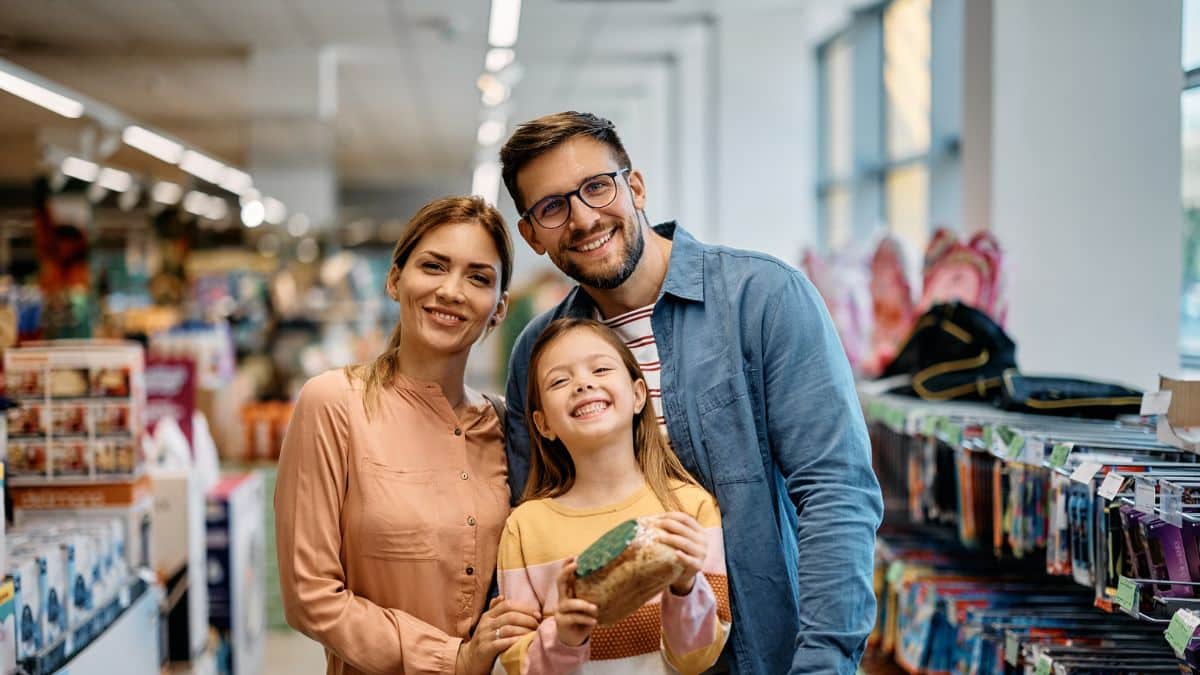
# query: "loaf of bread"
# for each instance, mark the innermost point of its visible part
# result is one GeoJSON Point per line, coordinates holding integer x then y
{"type": "Point", "coordinates": [625, 568]}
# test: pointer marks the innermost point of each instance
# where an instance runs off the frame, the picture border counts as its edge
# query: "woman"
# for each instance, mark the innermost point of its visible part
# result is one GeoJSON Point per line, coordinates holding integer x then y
{"type": "Point", "coordinates": [392, 487]}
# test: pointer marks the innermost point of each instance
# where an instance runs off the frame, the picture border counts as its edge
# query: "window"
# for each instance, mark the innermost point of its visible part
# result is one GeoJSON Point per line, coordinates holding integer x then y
{"type": "Point", "coordinates": [1189, 339]}
{"type": "Point", "coordinates": [882, 160]}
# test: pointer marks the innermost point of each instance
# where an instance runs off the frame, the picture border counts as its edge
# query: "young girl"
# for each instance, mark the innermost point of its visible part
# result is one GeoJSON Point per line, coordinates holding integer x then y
{"type": "Point", "coordinates": [599, 459]}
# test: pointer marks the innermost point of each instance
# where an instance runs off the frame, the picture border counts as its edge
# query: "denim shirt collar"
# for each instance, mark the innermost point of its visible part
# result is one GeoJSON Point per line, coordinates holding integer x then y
{"type": "Point", "coordinates": [685, 273]}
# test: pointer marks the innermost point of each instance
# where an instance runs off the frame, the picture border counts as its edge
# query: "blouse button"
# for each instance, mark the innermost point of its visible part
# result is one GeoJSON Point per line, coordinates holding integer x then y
{"type": "Point", "coordinates": [470, 571]}
{"type": "Point", "coordinates": [458, 431]}
{"type": "Point", "coordinates": [471, 520]}
{"type": "Point", "coordinates": [462, 476]}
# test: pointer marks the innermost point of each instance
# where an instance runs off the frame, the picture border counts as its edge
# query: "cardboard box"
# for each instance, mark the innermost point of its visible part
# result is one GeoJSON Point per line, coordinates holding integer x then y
{"type": "Point", "coordinates": [180, 554]}
{"type": "Point", "coordinates": [237, 570]}
{"type": "Point", "coordinates": [8, 627]}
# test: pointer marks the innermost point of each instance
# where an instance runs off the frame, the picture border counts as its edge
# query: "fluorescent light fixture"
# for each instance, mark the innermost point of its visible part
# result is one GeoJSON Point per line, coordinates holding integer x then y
{"type": "Point", "coordinates": [250, 195]}
{"type": "Point", "coordinates": [67, 107]}
{"type": "Point", "coordinates": [490, 132]}
{"type": "Point", "coordinates": [195, 203]}
{"type": "Point", "coordinates": [236, 181]}
{"type": "Point", "coordinates": [498, 58]}
{"type": "Point", "coordinates": [80, 168]}
{"type": "Point", "coordinates": [505, 20]}
{"type": "Point", "coordinates": [275, 211]}
{"type": "Point", "coordinates": [117, 181]}
{"type": "Point", "coordinates": [253, 214]}
{"type": "Point", "coordinates": [216, 209]}
{"type": "Point", "coordinates": [203, 167]}
{"type": "Point", "coordinates": [485, 182]}
{"type": "Point", "coordinates": [167, 193]}
{"type": "Point", "coordinates": [152, 144]}
{"type": "Point", "coordinates": [298, 225]}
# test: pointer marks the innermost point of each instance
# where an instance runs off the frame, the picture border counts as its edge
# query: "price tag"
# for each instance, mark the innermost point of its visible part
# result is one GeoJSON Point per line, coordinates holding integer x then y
{"type": "Point", "coordinates": [929, 425]}
{"type": "Point", "coordinates": [1144, 497]}
{"type": "Point", "coordinates": [1015, 446]}
{"type": "Point", "coordinates": [123, 596]}
{"type": "Point", "coordinates": [953, 433]}
{"type": "Point", "coordinates": [1127, 594]}
{"type": "Point", "coordinates": [1058, 456]}
{"type": "Point", "coordinates": [1170, 500]}
{"type": "Point", "coordinates": [1156, 402]}
{"type": "Point", "coordinates": [895, 571]}
{"type": "Point", "coordinates": [1012, 648]}
{"type": "Point", "coordinates": [1086, 471]}
{"type": "Point", "coordinates": [1112, 484]}
{"type": "Point", "coordinates": [1182, 628]}
{"type": "Point", "coordinates": [1043, 665]}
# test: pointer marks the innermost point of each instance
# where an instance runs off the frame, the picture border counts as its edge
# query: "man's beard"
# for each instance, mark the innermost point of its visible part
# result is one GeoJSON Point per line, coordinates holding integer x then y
{"type": "Point", "coordinates": [635, 244]}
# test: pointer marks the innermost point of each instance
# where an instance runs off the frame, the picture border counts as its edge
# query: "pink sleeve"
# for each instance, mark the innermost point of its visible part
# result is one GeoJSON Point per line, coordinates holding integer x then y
{"type": "Point", "coordinates": [541, 653]}
{"type": "Point", "coordinates": [689, 621]}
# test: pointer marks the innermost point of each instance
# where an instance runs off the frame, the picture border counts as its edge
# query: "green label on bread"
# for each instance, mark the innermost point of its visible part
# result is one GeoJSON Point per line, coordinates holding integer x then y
{"type": "Point", "coordinates": [606, 549]}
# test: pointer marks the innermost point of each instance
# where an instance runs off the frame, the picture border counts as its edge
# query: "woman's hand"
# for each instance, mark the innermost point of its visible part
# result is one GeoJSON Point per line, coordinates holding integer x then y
{"type": "Point", "coordinates": [686, 536]}
{"type": "Point", "coordinates": [575, 618]}
{"type": "Point", "coordinates": [501, 626]}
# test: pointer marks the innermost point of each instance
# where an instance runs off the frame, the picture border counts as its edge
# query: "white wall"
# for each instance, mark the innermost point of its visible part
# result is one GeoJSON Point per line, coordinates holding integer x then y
{"type": "Point", "coordinates": [766, 138]}
{"type": "Point", "coordinates": [1085, 183]}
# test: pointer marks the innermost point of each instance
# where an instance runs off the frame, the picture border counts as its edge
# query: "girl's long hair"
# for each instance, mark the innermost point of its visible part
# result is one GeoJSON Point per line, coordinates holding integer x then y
{"type": "Point", "coordinates": [445, 211]}
{"type": "Point", "coordinates": [551, 470]}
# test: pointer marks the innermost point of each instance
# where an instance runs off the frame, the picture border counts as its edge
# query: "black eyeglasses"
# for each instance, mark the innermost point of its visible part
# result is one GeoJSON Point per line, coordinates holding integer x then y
{"type": "Point", "coordinates": [554, 211]}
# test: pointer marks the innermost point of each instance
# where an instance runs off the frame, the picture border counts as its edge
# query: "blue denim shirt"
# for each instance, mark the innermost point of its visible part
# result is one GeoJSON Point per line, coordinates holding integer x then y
{"type": "Point", "coordinates": [762, 410]}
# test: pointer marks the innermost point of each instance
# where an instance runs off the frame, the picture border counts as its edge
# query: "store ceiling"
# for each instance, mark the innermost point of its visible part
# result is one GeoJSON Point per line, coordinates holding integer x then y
{"type": "Point", "coordinates": [407, 105]}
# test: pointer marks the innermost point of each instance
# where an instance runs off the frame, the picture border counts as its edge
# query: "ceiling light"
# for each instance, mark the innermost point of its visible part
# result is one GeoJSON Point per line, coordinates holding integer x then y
{"type": "Point", "coordinates": [203, 167]}
{"type": "Point", "coordinates": [67, 107]}
{"type": "Point", "coordinates": [152, 144]}
{"type": "Point", "coordinates": [505, 20]}
{"type": "Point", "coordinates": [250, 195]}
{"type": "Point", "coordinates": [498, 57]}
{"type": "Point", "coordinates": [216, 209]}
{"type": "Point", "coordinates": [490, 132]}
{"type": "Point", "coordinates": [275, 211]}
{"type": "Point", "coordinates": [485, 182]}
{"type": "Point", "coordinates": [117, 181]}
{"type": "Point", "coordinates": [236, 181]}
{"type": "Point", "coordinates": [298, 225]}
{"type": "Point", "coordinates": [80, 168]}
{"type": "Point", "coordinates": [253, 214]}
{"type": "Point", "coordinates": [307, 250]}
{"type": "Point", "coordinates": [195, 203]}
{"type": "Point", "coordinates": [166, 193]}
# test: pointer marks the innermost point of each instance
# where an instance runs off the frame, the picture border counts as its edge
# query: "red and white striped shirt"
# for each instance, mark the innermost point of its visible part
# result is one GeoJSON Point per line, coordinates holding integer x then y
{"type": "Point", "coordinates": [637, 334]}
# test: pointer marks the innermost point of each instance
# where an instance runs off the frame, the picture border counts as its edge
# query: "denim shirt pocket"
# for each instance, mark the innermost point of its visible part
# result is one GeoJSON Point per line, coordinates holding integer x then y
{"type": "Point", "coordinates": [728, 432]}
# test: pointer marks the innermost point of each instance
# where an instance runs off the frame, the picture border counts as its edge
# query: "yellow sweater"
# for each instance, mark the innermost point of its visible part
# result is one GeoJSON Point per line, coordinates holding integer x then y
{"type": "Point", "coordinates": [670, 633]}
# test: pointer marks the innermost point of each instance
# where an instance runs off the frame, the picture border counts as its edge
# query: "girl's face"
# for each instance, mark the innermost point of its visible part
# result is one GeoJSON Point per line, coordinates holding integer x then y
{"type": "Point", "coordinates": [587, 395]}
{"type": "Point", "coordinates": [449, 288]}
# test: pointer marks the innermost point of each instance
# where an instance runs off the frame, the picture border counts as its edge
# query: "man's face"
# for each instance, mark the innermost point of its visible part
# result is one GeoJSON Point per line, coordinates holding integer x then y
{"type": "Point", "coordinates": [598, 247]}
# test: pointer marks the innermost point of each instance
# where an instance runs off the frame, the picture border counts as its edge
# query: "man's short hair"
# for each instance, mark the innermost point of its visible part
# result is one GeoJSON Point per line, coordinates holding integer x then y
{"type": "Point", "coordinates": [537, 137]}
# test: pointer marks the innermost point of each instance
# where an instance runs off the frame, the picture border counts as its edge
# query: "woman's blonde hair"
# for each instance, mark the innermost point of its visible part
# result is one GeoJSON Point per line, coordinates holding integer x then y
{"type": "Point", "coordinates": [551, 470]}
{"type": "Point", "coordinates": [445, 211]}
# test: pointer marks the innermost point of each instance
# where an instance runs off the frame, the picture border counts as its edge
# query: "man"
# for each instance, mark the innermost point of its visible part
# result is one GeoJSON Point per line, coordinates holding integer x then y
{"type": "Point", "coordinates": [754, 392]}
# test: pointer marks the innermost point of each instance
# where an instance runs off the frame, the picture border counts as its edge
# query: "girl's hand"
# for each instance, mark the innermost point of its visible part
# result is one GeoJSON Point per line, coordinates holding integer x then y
{"type": "Point", "coordinates": [686, 536]}
{"type": "Point", "coordinates": [575, 618]}
{"type": "Point", "coordinates": [500, 627]}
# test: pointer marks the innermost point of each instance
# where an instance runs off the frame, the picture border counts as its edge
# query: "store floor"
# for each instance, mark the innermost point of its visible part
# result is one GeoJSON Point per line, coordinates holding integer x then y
{"type": "Point", "coordinates": [290, 653]}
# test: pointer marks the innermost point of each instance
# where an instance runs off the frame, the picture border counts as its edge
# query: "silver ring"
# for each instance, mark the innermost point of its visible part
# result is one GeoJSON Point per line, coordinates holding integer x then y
{"type": "Point", "coordinates": [497, 633]}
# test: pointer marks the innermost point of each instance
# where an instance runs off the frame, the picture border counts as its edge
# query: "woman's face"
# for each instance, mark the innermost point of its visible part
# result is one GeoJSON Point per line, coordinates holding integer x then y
{"type": "Point", "coordinates": [587, 395]}
{"type": "Point", "coordinates": [449, 289]}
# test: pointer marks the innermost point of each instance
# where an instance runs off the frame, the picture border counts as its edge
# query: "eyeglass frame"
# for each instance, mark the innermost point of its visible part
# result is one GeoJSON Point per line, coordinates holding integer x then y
{"type": "Point", "coordinates": [577, 192]}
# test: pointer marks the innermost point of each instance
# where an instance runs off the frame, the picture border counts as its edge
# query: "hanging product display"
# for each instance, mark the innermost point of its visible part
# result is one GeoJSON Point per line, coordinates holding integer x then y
{"type": "Point", "coordinates": [81, 410]}
{"type": "Point", "coordinates": [970, 273]}
{"type": "Point", "coordinates": [892, 303]}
